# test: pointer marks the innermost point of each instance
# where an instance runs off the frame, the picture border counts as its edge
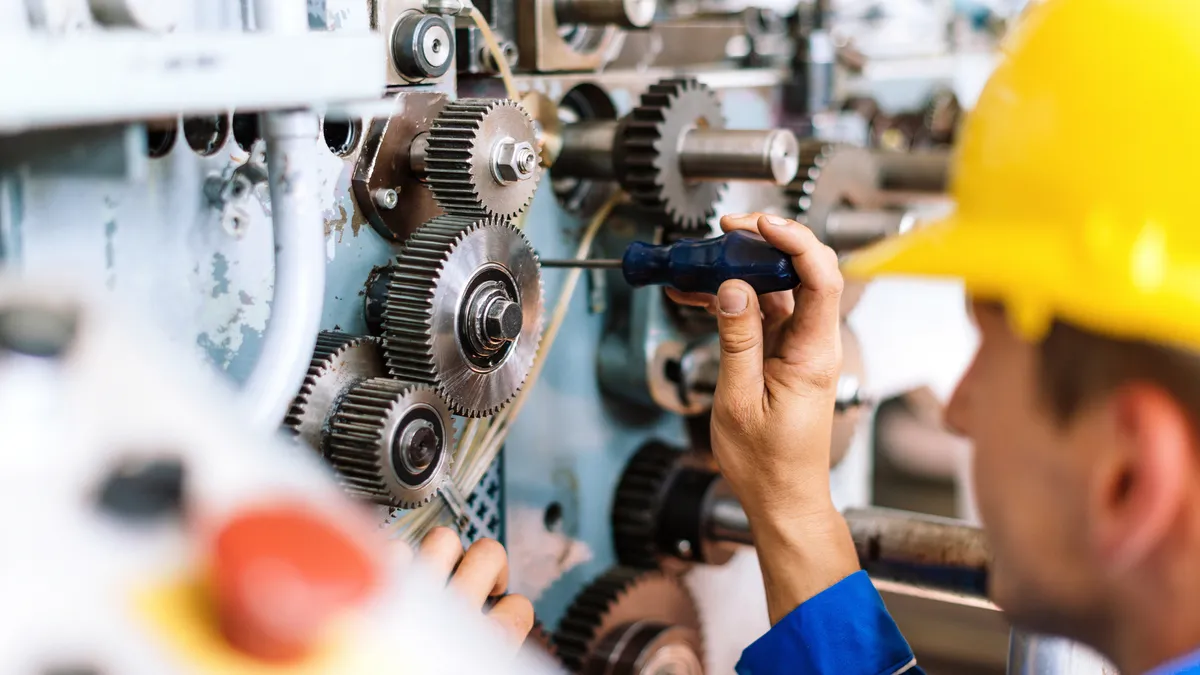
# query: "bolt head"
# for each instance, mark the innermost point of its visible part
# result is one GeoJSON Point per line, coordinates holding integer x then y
{"type": "Point", "coordinates": [504, 320]}
{"type": "Point", "coordinates": [387, 199]}
{"type": "Point", "coordinates": [418, 446]}
{"type": "Point", "coordinates": [514, 161]}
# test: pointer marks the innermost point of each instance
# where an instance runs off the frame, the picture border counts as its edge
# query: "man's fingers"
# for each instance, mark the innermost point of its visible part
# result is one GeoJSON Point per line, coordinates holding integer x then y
{"type": "Point", "coordinates": [514, 615]}
{"type": "Point", "coordinates": [814, 324]}
{"type": "Point", "coordinates": [483, 572]}
{"type": "Point", "coordinates": [741, 221]}
{"type": "Point", "coordinates": [777, 306]}
{"type": "Point", "coordinates": [441, 550]}
{"type": "Point", "coordinates": [705, 300]}
{"type": "Point", "coordinates": [741, 328]}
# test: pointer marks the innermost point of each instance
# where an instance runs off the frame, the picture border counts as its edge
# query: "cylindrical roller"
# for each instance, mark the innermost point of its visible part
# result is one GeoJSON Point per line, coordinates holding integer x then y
{"type": "Point", "coordinates": [898, 546]}
{"type": "Point", "coordinates": [587, 150]}
{"type": "Point", "coordinates": [727, 521]}
{"type": "Point", "coordinates": [624, 13]}
{"type": "Point", "coordinates": [848, 229]}
{"type": "Point", "coordinates": [913, 171]}
{"type": "Point", "coordinates": [736, 154]}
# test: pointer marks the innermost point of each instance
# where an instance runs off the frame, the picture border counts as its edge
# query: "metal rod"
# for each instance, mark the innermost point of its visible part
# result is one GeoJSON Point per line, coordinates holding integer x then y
{"type": "Point", "coordinates": [913, 171]}
{"type": "Point", "coordinates": [587, 150]}
{"type": "Point", "coordinates": [624, 13]}
{"type": "Point", "coordinates": [771, 155]}
{"type": "Point", "coordinates": [899, 546]}
{"type": "Point", "coordinates": [848, 229]}
{"type": "Point", "coordinates": [1030, 654]}
{"type": "Point", "coordinates": [587, 264]}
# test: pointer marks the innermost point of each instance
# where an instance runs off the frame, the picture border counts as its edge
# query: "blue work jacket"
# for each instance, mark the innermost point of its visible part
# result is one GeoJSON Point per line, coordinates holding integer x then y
{"type": "Point", "coordinates": [846, 630]}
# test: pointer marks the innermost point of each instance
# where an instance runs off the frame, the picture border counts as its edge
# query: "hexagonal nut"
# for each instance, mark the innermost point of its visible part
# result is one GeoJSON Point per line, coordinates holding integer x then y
{"type": "Point", "coordinates": [515, 161]}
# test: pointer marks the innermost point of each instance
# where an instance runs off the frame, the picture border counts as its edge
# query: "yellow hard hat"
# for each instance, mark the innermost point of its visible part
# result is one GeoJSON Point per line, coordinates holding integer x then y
{"type": "Point", "coordinates": [1077, 177]}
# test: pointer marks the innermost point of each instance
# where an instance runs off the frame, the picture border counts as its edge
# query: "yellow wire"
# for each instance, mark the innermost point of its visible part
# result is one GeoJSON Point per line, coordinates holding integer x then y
{"type": "Point", "coordinates": [497, 54]}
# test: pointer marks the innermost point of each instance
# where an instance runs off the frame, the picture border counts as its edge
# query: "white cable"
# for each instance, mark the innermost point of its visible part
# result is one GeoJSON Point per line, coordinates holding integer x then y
{"type": "Point", "coordinates": [299, 228]}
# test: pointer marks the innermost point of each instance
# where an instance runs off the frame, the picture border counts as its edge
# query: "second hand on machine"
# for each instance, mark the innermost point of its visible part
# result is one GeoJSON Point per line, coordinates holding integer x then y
{"type": "Point", "coordinates": [702, 265]}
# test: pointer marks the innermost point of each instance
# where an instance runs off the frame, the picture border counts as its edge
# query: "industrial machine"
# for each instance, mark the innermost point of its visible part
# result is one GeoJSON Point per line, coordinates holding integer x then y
{"type": "Point", "coordinates": [341, 205]}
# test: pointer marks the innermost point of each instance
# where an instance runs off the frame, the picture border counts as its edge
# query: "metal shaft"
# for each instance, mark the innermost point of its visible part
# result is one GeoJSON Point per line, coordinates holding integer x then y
{"type": "Point", "coordinates": [913, 171]}
{"type": "Point", "coordinates": [587, 264]}
{"type": "Point", "coordinates": [848, 229]}
{"type": "Point", "coordinates": [897, 546]}
{"type": "Point", "coordinates": [624, 13]}
{"type": "Point", "coordinates": [772, 155]}
{"type": "Point", "coordinates": [587, 150]}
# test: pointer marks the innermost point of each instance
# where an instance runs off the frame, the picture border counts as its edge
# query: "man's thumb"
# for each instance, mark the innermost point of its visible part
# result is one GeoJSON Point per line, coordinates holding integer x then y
{"type": "Point", "coordinates": [740, 324]}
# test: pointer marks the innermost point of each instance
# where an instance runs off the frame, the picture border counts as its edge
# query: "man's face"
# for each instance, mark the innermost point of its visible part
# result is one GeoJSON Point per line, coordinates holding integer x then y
{"type": "Point", "coordinates": [1031, 478]}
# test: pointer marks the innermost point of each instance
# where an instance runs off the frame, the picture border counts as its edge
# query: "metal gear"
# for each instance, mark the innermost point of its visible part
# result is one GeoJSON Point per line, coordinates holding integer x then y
{"type": "Point", "coordinates": [464, 312]}
{"type": "Point", "coordinates": [339, 362]}
{"type": "Point", "coordinates": [658, 511]}
{"type": "Point", "coordinates": [629, 622]}
{"type": "Point", "coordinates": [391, 442]}
{"type": "Point", "coordinates": [461, 157]}
{"type": "Point", "coordinates": [830, 177]}
{"type": "Point", "coordinates": [646, 153]}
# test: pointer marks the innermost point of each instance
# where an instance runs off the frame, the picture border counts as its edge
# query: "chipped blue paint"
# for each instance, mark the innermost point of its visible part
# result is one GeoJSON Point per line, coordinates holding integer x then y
{"type": "Point", "coordinates": [220, 275]}
{"type": "Point", "coordinates": [245, 298]}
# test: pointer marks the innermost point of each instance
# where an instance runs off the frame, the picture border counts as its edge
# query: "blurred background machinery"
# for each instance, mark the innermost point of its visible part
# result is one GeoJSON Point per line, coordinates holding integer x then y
{"type": "Point", "coordinates": [340, 205]}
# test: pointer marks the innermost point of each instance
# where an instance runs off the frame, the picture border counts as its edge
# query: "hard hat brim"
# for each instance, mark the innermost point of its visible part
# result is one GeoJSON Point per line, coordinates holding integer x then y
{"type": "Point", "coordinates": [940, 249]}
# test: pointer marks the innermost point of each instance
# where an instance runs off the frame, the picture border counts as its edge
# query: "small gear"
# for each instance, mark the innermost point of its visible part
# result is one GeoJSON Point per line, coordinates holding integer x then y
{"type": "Point", "coordinates": [626, 620]}
{"type": "Point", "coordinates": [391, 442]}
{"type": "Point", "coordinates": [339, 362]}
{"type": "Point", "coordinates": [464, 312]}
{"type": "Point", "coordinates": [646, 153]}
{"type": "Point", "coordinates": [659, 510]}
{"type": "Point", "coordinates": [482, 159]}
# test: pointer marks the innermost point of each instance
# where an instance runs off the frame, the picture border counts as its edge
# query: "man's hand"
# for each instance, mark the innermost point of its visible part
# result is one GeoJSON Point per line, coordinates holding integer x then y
{"type": "Point", "coordinates": [479, 573]}
{"type": "Point", "coordinates": [773, 413]}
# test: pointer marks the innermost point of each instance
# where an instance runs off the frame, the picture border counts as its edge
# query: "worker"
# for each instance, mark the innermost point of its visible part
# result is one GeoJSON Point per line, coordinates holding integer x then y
{"type": "Point", "coordinates": [1076, 236]}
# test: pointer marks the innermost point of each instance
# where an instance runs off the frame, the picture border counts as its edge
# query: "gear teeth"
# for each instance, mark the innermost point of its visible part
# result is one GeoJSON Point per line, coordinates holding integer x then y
{"type": "Point", "coordinates": [649, 164]}
{"type": "Point", "coordinates": [637, 503]}
{"type": "Point", "coordinates": [813, 156]}
{"type": "Point", "coordinates": [409, 345]}
{"type": "Point", "coordinates": [331, 346]}
{"type": "Point", "coordinates": [451, 158]}
{"type": "Point", "coordinates": [584, 624]}
{"type": "Point", "coordinates": [360, 439]}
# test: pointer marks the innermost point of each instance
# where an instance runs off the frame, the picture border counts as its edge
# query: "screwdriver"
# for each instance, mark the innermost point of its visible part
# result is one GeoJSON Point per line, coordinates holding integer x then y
{"type": "Point", "coordinates": [701, 265]}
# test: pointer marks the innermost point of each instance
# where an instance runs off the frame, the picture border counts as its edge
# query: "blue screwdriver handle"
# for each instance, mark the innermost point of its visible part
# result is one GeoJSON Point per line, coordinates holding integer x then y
{"type": "Point", "coordinates": [702, 265]}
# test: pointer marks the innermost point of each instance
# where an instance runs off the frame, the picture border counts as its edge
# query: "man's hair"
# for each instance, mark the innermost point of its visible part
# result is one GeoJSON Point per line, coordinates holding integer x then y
{"type": "Point", "coordinates": [1078, 367]}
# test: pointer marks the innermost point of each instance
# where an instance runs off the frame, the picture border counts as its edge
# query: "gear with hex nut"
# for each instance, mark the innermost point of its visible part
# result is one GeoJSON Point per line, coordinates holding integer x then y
{"type": "Point", "coordinates": [646, 153]}
{"type": "Point", "coordinates": [339, 362]}
{"type": "Point", "coordinates": [464, 312]}
{"type": "Point", "coordinates": [628, 622]}
{"type": "Point", "coordinates": [481, 158]}
{"type": "Point", "coordinates": [391, 442]}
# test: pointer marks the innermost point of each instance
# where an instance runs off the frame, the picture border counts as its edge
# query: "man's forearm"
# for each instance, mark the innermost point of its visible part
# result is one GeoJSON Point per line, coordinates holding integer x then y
{"type": "Point", "coordinates": [800, 555]}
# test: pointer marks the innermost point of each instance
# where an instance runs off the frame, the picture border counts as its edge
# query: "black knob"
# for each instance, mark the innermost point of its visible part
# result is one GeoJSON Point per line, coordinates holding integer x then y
{"type": "Point", "coordinates": [422, 46]}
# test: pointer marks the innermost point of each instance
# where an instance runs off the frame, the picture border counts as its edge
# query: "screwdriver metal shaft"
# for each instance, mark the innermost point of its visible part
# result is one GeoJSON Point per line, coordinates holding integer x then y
{"type": "Point", "coordinates": [596, 264]}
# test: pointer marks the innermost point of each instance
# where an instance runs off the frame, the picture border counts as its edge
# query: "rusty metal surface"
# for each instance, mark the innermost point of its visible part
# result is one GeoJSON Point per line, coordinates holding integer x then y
{"type": "Point", "coordinates": [383, 163]}
{"type": "Point", "coordinates": [938, 553]}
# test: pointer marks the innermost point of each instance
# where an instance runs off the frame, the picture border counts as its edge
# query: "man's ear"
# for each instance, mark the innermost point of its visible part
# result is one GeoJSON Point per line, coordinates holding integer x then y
{"type": "Point", "coordinates": [1140, 482]}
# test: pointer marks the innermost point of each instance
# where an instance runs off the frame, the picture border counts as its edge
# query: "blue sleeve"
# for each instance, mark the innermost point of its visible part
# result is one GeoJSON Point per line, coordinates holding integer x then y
{"type": "Point", "coordinates": [844, 630]}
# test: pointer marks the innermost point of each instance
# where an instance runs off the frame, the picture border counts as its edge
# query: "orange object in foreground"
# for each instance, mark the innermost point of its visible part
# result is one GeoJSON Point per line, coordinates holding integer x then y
{"type": "Point", "coordinates": [280, 574]}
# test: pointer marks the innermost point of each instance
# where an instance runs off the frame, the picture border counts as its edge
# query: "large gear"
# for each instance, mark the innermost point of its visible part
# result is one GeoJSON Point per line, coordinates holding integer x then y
{"type": "Point", "coordinates": [391, 442]}
{"type": "Point", "coordinates": [646, 153]}
{"type": "Point", "coordinates": [461, 157]}
{"type": "Point", "coordinates": [339, 362]}
{"type": "Point", "coordinates": [464, 312]}
{"type": "Point", "coordinates": [629, 622]}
